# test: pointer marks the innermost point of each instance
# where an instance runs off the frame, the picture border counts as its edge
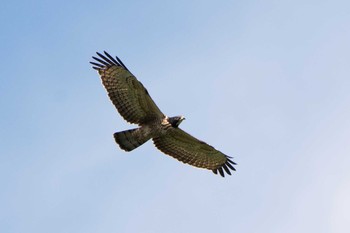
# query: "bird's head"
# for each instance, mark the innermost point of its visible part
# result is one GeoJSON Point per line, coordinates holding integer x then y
{"type": "Point", "coordinates": [176, 120]}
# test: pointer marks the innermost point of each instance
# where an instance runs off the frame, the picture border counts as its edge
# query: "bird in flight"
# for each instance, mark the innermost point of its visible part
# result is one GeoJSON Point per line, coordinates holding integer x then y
{"type": "Point", "coordinates": [136, 106]}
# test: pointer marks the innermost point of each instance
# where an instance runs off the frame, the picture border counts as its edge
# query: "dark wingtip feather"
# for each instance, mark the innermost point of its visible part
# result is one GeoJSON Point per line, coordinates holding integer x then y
{"type": "Point", "coordinates": [120, 62]}
{"type": "Point", "coordinates": [230, 166]}
{"type": "Point", "coordinates": [110, 57]}
{"type": "Point", "coordinates": [99, 54]}
{"type": "Point", "coordinates": [229, 160]}
{"type": "Point", "coordinates": [107, 60]}
{"type": "Point", "coordinates": [96, 64]}
{"type": "Point", "coordinates": [226, 169]}
{"type": "Point", "coordinates": [105, 63]}
{"type": "Point", "coordinates": [221, 172]}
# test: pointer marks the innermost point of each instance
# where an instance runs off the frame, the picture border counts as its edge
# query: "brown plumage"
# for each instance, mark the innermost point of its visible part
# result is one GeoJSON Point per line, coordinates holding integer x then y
{"type": "Point", "coordinates": [136, 106]}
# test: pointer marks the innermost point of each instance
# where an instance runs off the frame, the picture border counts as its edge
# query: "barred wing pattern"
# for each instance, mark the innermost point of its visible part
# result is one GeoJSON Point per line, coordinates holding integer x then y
{"type": "Point", "coordinates": [127, 94]}
{"type": "Point", "coordinates": [188, 149]}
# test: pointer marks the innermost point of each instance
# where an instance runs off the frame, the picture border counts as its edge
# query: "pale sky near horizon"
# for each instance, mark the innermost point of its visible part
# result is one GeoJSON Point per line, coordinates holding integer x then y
{"type": "Point", "coordinates": [267, 82]}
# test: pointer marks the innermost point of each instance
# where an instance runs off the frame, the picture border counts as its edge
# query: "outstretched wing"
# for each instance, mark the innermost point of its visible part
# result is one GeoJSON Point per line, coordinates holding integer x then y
{"type": "Point", "coordinates": [128, 95]}
{"type": "Point", "coordinates": [188, 149]}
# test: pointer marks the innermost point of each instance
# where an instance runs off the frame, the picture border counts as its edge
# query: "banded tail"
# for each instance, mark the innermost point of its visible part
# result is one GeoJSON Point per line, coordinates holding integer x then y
{"type": "Point", "coordinates": [130, 139]}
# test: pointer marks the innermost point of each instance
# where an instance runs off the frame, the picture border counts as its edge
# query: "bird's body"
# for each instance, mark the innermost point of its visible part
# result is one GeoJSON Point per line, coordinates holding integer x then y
{"type": "Point", "coordinates": [134, 103]}
{"type": "Point", "coordinates": [133, 138]}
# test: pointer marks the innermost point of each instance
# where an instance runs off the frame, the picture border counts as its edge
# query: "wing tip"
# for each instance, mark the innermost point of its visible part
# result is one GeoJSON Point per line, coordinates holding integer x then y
{"type": "Point", "coordinates": [225, 168]}
{"type": "Point", "coordinates": [105, 60]}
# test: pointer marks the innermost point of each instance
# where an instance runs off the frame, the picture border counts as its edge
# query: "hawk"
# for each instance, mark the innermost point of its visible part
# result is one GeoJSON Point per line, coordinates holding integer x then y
{"type": "Point", "coordinates": [136, 106]}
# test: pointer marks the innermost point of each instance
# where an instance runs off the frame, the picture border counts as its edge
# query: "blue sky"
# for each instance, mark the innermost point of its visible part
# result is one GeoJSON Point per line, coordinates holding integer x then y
{"type": "Point", "coordinates": [267, 82]}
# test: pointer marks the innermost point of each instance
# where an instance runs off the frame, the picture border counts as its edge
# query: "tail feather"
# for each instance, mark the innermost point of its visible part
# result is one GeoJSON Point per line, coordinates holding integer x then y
{"type": "Point", "coordinates": [130, 139]}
